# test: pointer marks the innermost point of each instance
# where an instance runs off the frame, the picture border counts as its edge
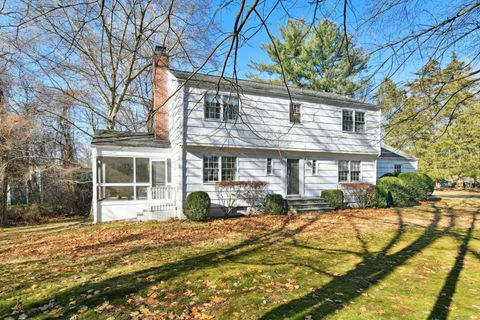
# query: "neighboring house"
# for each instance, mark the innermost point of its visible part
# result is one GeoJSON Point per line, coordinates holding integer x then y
{"type": "Point", "coordinates": [392, 160]}
{"type": "Point", "coordinates": [206, 130]}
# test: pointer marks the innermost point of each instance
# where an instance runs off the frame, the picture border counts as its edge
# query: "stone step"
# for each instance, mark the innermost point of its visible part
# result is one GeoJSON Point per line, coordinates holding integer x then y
{"type": "Point", "coordinates": [314, 209]}
{"type": "Point", "coordinates": [307, 203]}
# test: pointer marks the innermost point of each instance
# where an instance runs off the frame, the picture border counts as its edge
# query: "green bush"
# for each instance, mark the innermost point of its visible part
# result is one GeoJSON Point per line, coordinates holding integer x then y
{"type": "Point", "coordinates": [334, 198]}
{"type": "Point", "coordinates": [382, 199]}
{"type": "Point", "coordinates": [400, 190]}
{"type": "Point", "coordinates": [429, 181]}
{"type": "Point", "coordinates": [417, 183]}
{"type": "Point", "coordinates": [275, 204]}
{"type": "Point", "coordinates": [197, 205]}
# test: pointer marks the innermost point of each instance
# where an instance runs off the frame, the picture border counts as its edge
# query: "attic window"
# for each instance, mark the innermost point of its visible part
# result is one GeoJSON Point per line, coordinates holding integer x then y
{"type": "Point", "coordinates": [295, 112]}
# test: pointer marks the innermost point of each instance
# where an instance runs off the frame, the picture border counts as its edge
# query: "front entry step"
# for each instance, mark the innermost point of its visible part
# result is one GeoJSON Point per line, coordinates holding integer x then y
{"type": "Point", "coordinates": [308, 204]}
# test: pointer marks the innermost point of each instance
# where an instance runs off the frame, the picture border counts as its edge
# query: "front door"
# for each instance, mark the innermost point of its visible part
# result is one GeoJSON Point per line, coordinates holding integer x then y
{"type": "Point", "coordinates": [293, 177]}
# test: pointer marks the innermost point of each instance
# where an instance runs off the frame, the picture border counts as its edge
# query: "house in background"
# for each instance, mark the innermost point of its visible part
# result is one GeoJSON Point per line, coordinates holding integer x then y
{"type": "Point", "coordinates": [395, 161]}
{"type": "Point", "coordinates": [208, 129]}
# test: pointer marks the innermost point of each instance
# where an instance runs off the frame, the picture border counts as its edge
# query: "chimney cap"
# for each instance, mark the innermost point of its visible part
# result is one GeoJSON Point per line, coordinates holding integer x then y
{"type": "Point", "coordinates": [160, 49]}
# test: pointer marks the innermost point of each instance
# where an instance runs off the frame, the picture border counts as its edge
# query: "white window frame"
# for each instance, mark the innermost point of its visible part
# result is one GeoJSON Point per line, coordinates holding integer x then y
{"type": "Point", "coordinates": [395, 171]}
{"type": "Point", "coordinates": [290, 113]}
{"type": "Point", "coordinates": [349, 176]}
{"type": "Point", "coordinates": [134, 184]}
{"type": "Point", "coordinates": [219, 167]}
{"type": "Point", "coordinates": [354, 129]}
{"type": "Point", "coordinates": [271, 167]}
{"type": "Point", "coordinates": [223, 99]}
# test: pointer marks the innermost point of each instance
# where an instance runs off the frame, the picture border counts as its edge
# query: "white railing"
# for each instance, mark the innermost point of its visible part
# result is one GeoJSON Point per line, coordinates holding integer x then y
{"type": "Point", "coordinates": [162, 202]}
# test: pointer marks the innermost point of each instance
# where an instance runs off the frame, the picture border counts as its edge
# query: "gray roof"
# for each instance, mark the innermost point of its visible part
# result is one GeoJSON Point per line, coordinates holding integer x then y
{"type": "Point", "coordinates": [390, 152]}
{"type": "Point", "coordinates": [210, 82]}
{"type": "Point", "coordinates": [127, 139]}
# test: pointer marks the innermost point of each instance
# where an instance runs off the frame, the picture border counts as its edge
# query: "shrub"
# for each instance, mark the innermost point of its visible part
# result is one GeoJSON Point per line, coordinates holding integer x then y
{"type": "Point", "coordinates": [418, 184]}
{"type": "Point", "coordinates": [333, 197]}
{"type": "Point", "coordinates": [197, 205]}
{"type": "Point", "coordinates": [388, 174]}
{"type": "Point", "coordinates": [382, 199]}
{"type": "Point", "coordinates": [429, 181]}
{"type": "Point", "coordinates": [399, 189]}
{"type": "Point", "coordinates": [230, 192]}
{"type": "Point", "coordinates": [275, 204]}
{"type": "Point", "coordinates": [360, 193]}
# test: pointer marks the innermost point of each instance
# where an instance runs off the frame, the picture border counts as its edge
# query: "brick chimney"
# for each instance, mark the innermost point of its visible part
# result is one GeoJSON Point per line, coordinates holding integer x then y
{"type": "Point", "coordinates": [160, 92]}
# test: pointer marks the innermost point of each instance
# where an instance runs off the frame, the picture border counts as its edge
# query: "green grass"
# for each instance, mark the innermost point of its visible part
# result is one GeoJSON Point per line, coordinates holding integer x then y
{"type": "Point", "coordinates": [415, 263]}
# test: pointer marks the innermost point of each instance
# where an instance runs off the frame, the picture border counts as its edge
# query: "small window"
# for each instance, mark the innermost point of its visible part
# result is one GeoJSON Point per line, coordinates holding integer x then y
{"type": "Point", "coordinates": [229, 169]}
{"type": "Point", "coordinates": [397, 168]}
{"type": "Point", "coordinates": [347, 120]}
{"type": "Point", "coordinates": [212, 107]}
{"type": "Point", "coordinates": [269, 166]}
{"type": "Point", "coordinates": [314, 167]}
{"type": "Point", "coordinates": [359, 121]}
{"type": "Point", "coordinates": [230, 108]}
{"type": "Point", "coordinates": [295, 113]}
{"type": "Point", "coordinates": [349, 171]}
{"type": "Point", "coordinates": [210, 169]}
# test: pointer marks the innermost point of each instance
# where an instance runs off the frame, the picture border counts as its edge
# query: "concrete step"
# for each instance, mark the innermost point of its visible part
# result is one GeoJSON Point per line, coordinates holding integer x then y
{"type": "Point", "coordinates": [314, 209]}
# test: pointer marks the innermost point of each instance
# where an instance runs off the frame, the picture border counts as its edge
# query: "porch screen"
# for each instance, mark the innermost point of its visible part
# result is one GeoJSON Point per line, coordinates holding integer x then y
{"type": "Point", "coordinates": [122, 178]}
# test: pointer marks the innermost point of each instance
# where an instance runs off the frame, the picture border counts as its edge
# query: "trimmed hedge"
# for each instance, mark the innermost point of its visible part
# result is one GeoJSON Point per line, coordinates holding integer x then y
{"type": "Point", "coordinates": [429, 181]}
{"type": "Point", "coordinates": [334, 198]}
{"type": "Point", "coordinates": [197, 205]}
{"type": "Point", "coordinates": [399, 189]}
{"type": "Point", "coordinates": [275, 204]}
{"type": "Point", "coordinates": [382, 199]}
{"type": "Point", "coordinates": [418, 185]}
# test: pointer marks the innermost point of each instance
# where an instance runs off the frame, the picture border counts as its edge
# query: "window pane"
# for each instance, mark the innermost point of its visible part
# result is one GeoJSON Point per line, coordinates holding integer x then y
{"type": "Point", "coordinates": [359, 121]}
{"type": "Point", "coordinates": [158, 173]}
{"type": "Point", "coordinates": [295, 113]}
{"type": "Point", "coordinates": [228, 168]}
{"type": "Point", "coordinates": [347, 120]}
{"type": "Point", "coordinates": [142, 170]}
{"type": "Point", "coordinates": [210, 168]}
{"type": "Point", "coordinates": [142, 193]}
{"type": "Point", "coordinates": [230, 108]}
{"type": "Point", "coordinates": [269, 166]}
{"type": "Point", "coordinates": [117, 193]}
{"type": "Point", "coordinates": [212, 107]}
{"type": "Point", "coordinates": [314, 167]}
{"type": "Point", "coordinates": [117, 170]}
{"type": "Point", "coordinates": [355, 171]}
{"type": "Point", "coordinates": [397, 168]}
{"type": "Point", "coordinates": [343, 171]}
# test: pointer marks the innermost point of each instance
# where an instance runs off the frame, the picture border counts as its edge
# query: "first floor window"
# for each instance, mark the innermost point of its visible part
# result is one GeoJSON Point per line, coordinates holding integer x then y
{"type": "Point", "coordinates": [269, 166]}
{"type": "Point", "coordinates": [217, 168]}
{"type": "Point", "coordinates": [210, 169]}
{"type": "Point", "coordinates": [397, 168]}
{"type": "Point", "coordinates": [314, 167]}
{"type": "Point", "coordinates": [349, 171]}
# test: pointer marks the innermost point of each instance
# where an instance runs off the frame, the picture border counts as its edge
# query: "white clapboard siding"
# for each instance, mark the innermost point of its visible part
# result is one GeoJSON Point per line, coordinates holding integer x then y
{"type": "Point", "coordinates": [264, 122]}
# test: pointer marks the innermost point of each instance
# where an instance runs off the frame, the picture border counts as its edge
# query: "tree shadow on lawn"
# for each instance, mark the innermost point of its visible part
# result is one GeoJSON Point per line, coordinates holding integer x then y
{"type": "Point", "coordinates": [372, 269]}
{"type": "Point", "coordinates": [120, 286]}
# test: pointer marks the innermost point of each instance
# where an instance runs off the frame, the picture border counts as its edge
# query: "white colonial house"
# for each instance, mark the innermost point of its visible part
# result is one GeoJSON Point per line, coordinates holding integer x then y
{"type": "Point", "coordinates": [208, 129]}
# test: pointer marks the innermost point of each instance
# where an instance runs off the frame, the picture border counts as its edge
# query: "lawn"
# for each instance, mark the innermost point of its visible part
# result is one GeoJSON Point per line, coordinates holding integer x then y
{"type": "Point", "coordinates": [421, 262]}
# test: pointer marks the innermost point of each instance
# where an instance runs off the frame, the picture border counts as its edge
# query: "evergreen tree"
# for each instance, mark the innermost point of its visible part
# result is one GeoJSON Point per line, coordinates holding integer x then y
{"type": "Point", "coordinates": [318, 58]}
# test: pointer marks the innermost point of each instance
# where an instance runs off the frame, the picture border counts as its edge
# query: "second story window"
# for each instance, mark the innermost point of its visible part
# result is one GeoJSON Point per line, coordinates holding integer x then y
{"type": "Point", "coordinates": [353, 121]}
{"type": "Point", "coordinates": [295, 112]}
{"type": "Point", "coordinates": [230, 108]}
{"type": "Point", "coordinates": [212, 107]}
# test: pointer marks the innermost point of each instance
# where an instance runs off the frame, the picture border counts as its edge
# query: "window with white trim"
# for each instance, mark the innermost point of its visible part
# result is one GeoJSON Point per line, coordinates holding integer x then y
{"type": "Point", "coordinates": [230, 108]}
{"type": "Point", "coordinates": [212, 107]}
{"type": "Point", "coordinates": [269, 166]}
{"type": "Point", "coordinates": [353, 121]}
{"type": "Point", "coordinates": [397, 168]}
{"type": "Point", "coordinates": [349, 171]}
{"type": "Point", "coordinates": [314, 167]}
{"type": "Point", "coordinates": [122, 178]}
{"type": "Point", "coordinates": [295, 112]}
{"type": "Point", "coordinates": [217, 168]}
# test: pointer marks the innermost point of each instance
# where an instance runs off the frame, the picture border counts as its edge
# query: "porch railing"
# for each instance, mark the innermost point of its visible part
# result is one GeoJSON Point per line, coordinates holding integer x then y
{"type": "Point", "coordinates": [162, 201]}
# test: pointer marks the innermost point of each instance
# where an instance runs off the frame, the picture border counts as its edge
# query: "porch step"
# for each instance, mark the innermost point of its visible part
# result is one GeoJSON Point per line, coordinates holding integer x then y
{"type": "Point", "coordinates": [308, 204]}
